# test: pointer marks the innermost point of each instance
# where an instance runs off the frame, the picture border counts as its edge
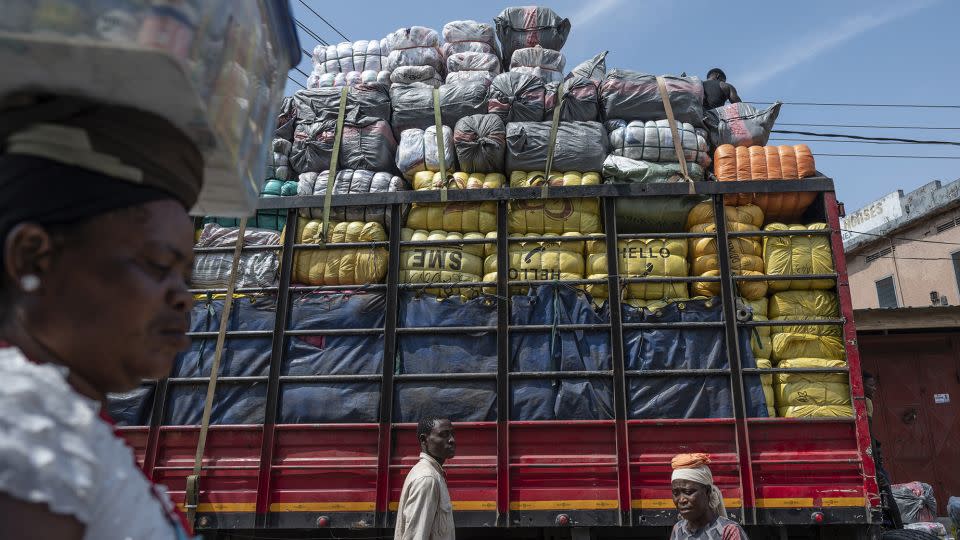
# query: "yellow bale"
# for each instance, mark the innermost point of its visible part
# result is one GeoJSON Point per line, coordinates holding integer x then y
{"type": "Point", "coordinates": [455, 216]}
{"type": "Point", "coordinates": [804, 340]}
{"type": "Point", "coordinates": [449, 263]}
{"type": "Point", "coordinates": [745, 253]}
{"type": "Point", "coordinates": [767, 382]}
{"type": "Point", "coordinates": [538, 260]}
{"type": "Point", "coordinates": [792, 255]}
{"type": "Point", "coordinates": [339, 266]}
{"type": "Point", "coordinates": [649, 257]}
{"type": "Point", "coordinates": [760, 341]}
{"type": "Point", "coordinates": [811, 394]}
{"type": "Point", "coordinates": [554, 215]}
{"type": "Point", "coordinates": [703, 213]}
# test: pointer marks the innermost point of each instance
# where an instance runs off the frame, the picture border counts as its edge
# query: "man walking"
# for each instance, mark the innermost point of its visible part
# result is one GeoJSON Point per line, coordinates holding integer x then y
{"type": "Point", "coordinates": [425, 512]}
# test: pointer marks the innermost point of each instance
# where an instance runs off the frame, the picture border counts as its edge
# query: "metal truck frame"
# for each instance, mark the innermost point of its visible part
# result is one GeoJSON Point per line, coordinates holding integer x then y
{"type": "Point", "coordinates": [812, 477]}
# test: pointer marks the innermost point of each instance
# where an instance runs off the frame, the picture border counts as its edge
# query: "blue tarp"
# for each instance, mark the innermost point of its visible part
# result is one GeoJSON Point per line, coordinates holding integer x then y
{"type": "Point", "coordinates": [687, 348]}
{"type": "Point", "coordinates": [131, 408]}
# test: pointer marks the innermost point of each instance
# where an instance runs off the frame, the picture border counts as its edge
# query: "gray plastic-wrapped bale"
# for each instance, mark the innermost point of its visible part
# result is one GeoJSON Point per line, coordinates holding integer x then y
{"type": "Point", "coordinates": [457, 77]}
{"type": "Point", "coordinates": [350, 78]}
{"type": "Point", "coordinates": [741, 124]}
{"type": "Point", "coordinates": [286, 119]}
{"type": "Point", "coordinates": [363, 55]}
{"type": "Point", "coordinates": [473, 61]}
{"type": "Point", "coordinates": [630, 95]}
{"type": "Point", "coordinates": [418, 151]}
{"type": "Point", "coordinates": [580, 146]}
{"type": "Point", "coordinates": [349, 181]}
{"type": "Point", "coordinates": [547, 64]}
{"type": "Point", "coordinates": [581, 100]}
{"type": "Point", "coordinates": [653, 141]}
{"type": "Point", "coordinates": [413, 104]}
{"type": "Point", "coordinates": [594, 68]}
{"type": "Point", "coordinates": [468, 36]}
{"type": "Point", "coordinates": [255, 269]}
{"type": "Point", "coordinates": [364, 99]}
{"type": "Point", "coordinates": [519, 27]}
{"type": "Point", "coordinates": [416, 74]}
{"type": "Point", "coordinates": [480, 140]}
{"type": "Point", "coordinates": [619, 169]}
{"type": "Point", "coordinates": [517, 97]}
{"type": "Point", "coordinates": [278, 166]}
{"type": "Point", "coordinates": [916, 501]}
{"type": "Point", "coordinates": [650, 214]}
{"type": "Point", "coordinates": [413, 46]}
{"type": "Point", "coordinates": [366, 143]}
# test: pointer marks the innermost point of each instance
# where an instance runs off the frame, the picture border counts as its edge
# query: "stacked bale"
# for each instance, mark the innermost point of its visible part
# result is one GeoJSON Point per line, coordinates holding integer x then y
{"type": "Point", "coordinates": [554, 215]}
{"type": "Point", "coordinates": [746, 254]}
{"type": "Point", "coordinates": [641, 258]}
{"type": "Point", "coordinates": [537, 260]}
{"type": "Point", "coordinates": [255, 269]}
{"type": "Point", "coordinates": [350, 181]}
{"type": "Point", "coordinates": [761, 345]}
{"type": "Point", "coordinates": [470, 51]}
{"type": "Point", "coordinates": [448, 263]}
{"type": "Point", "coordinates": [767, 163]}
{"type": "Point", "coordinates": [419, 152]}
{"type": "Point", "coordinates": [531, 26]}
{"type": "Point", "coordinates": [547, 64]}
{"type": "Point", "coordinates": [347, 64]}
{"type": "Point", "coordinates": [455, 216]}
{"type": "Point", "coordinates": [414, 56]}
{"type": "Point", "coordinates": [339, 266]}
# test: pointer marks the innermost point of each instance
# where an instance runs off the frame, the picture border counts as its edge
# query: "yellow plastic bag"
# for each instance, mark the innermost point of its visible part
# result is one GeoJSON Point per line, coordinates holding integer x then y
{"type": "Point", "coordinates": [811, 389]}
{"type": "Point", "coordinates": [791, 255]}
{"type": "Point", "coordinates": [448, 263]}
{"type": "Point", "coordinates": [805, 340]}
{"type": "Point", "coordinates": [760, 341]}
{"type": "Point", "coordinates": [648, 257]}
{"type": "Point", "coordinates": [339, 266]}
{"type": "Point", "coordinates": [560, 261]}
{"type": "Point", "coordinates": [455, 216]}
{"type": "Point", "coordinates": [554, 215]}
{"type": "Point", "coordinates": [767, 382]}
{"type": "Point", "coordinates": [745, 253]}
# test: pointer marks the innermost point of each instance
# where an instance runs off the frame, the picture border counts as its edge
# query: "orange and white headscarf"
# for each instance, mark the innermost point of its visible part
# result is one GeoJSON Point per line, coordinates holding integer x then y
{"type": "Point", "coordinates": [693, 467]}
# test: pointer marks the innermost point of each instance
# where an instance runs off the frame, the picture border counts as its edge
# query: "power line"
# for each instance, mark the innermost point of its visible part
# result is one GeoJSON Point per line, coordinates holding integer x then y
{"type": "Point", "coordinates": [833, 141]}
{"type": "Point", "coordinates": [301, 72]}
{"type": "Point", "coordinates": [887, 156]}
{"type": "Point", "coordinates": [862, 138]}
{"type": "Point", "coordinates": [814, 104]}
{"type": "Point", "coordinates": [296, 81]}
{"type": "Point", "coordinates": [311, 33]}
{"type": "Point", "coordinates": [905, 239]}
{"type": "Point", "coordinates": [865, 126]}
{"type": "Point", "coordinates": [324, 20]}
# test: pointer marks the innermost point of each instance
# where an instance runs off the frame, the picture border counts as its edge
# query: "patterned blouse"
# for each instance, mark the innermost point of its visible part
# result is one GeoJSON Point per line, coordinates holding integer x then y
{"type": "Point", "coordinates": [718, 529]}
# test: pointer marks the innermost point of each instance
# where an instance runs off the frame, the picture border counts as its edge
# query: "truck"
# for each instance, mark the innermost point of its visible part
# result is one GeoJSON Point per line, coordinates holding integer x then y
{"type": "Point", "coordinates": [276, 446]}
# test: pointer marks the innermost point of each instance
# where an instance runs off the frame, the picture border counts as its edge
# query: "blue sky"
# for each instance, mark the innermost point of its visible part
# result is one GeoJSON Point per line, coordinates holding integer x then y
{"type": "Point", "coordinates": [814, 51]}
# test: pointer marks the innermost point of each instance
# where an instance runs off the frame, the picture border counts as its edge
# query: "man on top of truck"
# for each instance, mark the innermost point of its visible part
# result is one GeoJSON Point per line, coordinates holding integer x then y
{"type": "Point", "coordinates": [717, 91]}
{"type": "Point", "coordinates": [425, 511]}
{"type": "Point", "coordinates": [700, 503]}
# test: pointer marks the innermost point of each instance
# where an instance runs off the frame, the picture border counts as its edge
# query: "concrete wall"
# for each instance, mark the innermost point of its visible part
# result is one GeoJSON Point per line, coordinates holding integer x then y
{"type": "Point", "coordinates": [919, 267]}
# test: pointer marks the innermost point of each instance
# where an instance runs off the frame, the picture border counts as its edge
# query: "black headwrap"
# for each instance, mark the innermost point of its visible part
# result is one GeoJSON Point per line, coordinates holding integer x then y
{"type": "Point", "coordinates": [111, 157]}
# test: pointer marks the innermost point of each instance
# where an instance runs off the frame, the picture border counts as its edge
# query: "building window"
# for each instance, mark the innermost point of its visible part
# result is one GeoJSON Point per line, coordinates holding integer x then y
{"type": "Point", "coordinates": [887, 294]}
{"type": "Point", "coordinates": [956, 266]}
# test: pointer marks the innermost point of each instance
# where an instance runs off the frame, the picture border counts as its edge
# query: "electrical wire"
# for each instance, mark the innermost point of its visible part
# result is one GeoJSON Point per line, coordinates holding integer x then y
{"type": "Point", "coordinates": [829, 141]}
{"type": "Point", "coordinates": [815, 104]}
{"type": "Point", "coordinates": [866, 126]}
{"type": "Point", "coordinates": [296, 81]}
{"type": "Point", "coordinates": [302, 72]}
{"type": "Point", "coordinates": [887, 156]}
{"type": "Point", "coordinates": [903, 238]}
{"type": "Point", "coordinates": [863, 138]}
{"type": "Point", "coordinates": [311, 33]}
{"type": "Point", "coordinates": [335, 29]}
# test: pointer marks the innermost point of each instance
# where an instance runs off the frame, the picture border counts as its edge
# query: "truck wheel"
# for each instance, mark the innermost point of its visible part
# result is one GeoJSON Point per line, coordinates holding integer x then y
{"type": "Point", "coordinates": [907, 534]}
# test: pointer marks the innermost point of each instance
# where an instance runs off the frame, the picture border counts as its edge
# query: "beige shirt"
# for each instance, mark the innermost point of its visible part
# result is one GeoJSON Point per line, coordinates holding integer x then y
{"type": "Point", "coordinates": [425, 512]}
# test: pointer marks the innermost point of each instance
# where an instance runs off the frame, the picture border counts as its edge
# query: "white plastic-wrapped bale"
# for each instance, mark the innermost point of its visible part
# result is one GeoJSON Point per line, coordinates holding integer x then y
{"type": "Point", "coordinates": [473, 61]}
{"type": "Point", "coordinates": [418, 151]}
{"type": "Point", "coordinates": [365, 99]}
{"type": "Point", "coordinates": [519, 27]}
{"type": "Point", "coordinates": [517, 97]}
{"type": "Point", "coordinates": [481, 141]}
{"type": "Point", "coordinates": [630, 95]}
{"type": "Point", "coordinates": [351, 78]}
{"type": "Point", "coordinates": [344, 57]}
{"type": "Point", "coordinates": [547, 64]}
{"type": "Point", "coordinates": [349, 181]}
{"type": "Point", "coordinates": [653, 141]}
{"type": "Point", "coordinates": [482, 77]}
{"type": "Point", "coordinates": [279, 164]}
{"type": "Point", "coordinates": [580, 146]}
{"type": "Point", "coordinates": [365, 144]}
{"type": "Point", "coordinates": [413, 104]}
{"type": "Point", "coordinates": [468, 36]}
{"type": "Point", "coordinates": [416, 74]}
{"type": "Point", "coordinates": [413, 46]}
{"type": "Point", "coordinates": [255, 269]}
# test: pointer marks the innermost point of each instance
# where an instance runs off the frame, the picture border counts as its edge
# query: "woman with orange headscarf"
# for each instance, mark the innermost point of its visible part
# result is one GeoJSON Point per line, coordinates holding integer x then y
{"type": "Point", "coordinates": [700, 502]}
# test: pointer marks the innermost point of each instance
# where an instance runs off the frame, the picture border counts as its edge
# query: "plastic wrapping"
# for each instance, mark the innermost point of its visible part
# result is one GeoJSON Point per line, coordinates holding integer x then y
{"type": "Point", "coordinates": [364, 144]}
{"type": "Point", "coordinates": [630, 95]}
{"type": "Point", "coordinates": [256, 268]}
{"type": "Point", "coordinates": [953, 510]}
{"type": "Point", "coordinates": [529, 260]}
{"type": "Point", "coordinates": [363, 100]}
{"type": "Point", "coordinates": [416, 74]}
{"type": "Point", "coordinates": [286, 119]}
{"type": "Point", "coordinates": [345, 57]}
{"type": "Point", "coordinates": [418, 151]}
{"type": "Point", "coordinates": [331, 265]}
{"type": "Point", "coordinates": [767, 163]}
{"type": "Point", "coordinates": [653, 141]}
{"type": "Point", "coordinates": [351, 78]}
{"type": "Point", "coordinates": [648, 257]}
{"type": "Point", "coordinates": [482, 77]}
{"type": "Point", "coordinates": [480, 217]}
{"type": "Point", "coordinates": [789, 255]}
{"type": "Point", "coordinates": [619, 169]}
{"type": "Point", "coordinates": [450, 263]}
{"type": "Point", "coordinates": [740, 124]}
{"type": "Point", "coordinates": [805, 341]}
{"type": "Point", "coordinates": [812, 394]}
{"type": "Point", "coordinates": [554, 215]}
{"type": "Point", "coordinates": [413, 46]}
{"type": "Point", "coordinates": [473, 61]}
{"type": "Point", "coordinates": [580, 100]}
{"type": "Point", "coordinates": [595, 68]}
{"type": "Point", "coordinates": [746, 254]}
{"type": "Point", "coordinates": [518, 97]}
{"type": "Point", "coordinates": [547, 64]}
{"type": "Point", "coordinates": [480, 141]}
{"type": "Point", "coordinates": [468, 36]}
{"type": "Point", "coordinates": [131, 408]}
{"type": "Point", "coordinates": [916, 502]}
{"type": "Point", "coordinates": [278, 164]}
{"type": "Point", "coordinates": [351, 181]}
{"type": "Point", "coordinates": [519, 27]}
{"type": "Point", "coordinates": [580, 146]}
{"type": "Point", "coordinates": [413, 104]}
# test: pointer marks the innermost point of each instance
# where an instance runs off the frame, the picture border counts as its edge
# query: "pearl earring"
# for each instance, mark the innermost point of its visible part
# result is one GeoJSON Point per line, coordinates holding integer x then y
{"type": "Point", "coordinates": [30, 283]}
